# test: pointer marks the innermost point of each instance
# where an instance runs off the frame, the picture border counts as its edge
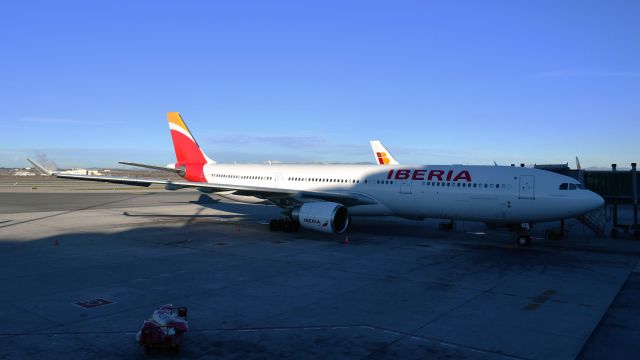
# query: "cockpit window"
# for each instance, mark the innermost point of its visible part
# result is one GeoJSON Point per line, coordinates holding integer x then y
{"type": "Point", "coordinates": [567, 186]}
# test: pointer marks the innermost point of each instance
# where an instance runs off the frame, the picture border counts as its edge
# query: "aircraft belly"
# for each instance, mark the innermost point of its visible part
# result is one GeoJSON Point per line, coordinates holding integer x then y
{"type": "Point", "coordinates": [370, 210]}
{"type": "Point", "coordinates": [442, 205]}
{"type": "Point", "coordinates": [490, 207]}
{"type": "Point", "coordinates": [399, 204]}
{"type": "Point", "coordinates": [542, 209]}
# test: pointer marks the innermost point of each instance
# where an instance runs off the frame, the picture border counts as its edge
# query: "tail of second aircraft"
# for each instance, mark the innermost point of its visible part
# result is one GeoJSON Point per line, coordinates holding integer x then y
{"type": "Point", "coordinates": [188, 153]}
{"type": "Point", "coordinates": [382, 155]}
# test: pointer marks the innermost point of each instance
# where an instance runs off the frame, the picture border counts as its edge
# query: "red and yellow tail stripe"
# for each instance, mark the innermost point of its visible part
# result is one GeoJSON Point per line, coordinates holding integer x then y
{"type": "Point", "coordinates": [177, 124]}
{"type": "Point", "coordinates": [188, 152]}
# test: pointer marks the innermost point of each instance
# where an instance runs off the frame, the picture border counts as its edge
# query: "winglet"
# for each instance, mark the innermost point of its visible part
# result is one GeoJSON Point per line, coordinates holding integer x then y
{"type": "Point", "coordinates": [41, 168]}
{"type": "Point", "coordinates": [382, 155]}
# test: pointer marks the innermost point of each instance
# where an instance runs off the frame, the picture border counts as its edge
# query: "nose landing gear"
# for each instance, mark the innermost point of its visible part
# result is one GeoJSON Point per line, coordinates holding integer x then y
{"type": "Point", "coordinates": [522, 235]}
{"type": "Point", "coordinates": [523, 239]}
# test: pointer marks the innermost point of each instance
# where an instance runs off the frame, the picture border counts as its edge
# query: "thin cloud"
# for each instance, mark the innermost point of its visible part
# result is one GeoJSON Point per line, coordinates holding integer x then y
{"type": "Point", "coordinates": [588, 73]}
{"type": "Point", "coordinates": [286, 141]}
{"type": "Point", "coordinates": [65, 121]}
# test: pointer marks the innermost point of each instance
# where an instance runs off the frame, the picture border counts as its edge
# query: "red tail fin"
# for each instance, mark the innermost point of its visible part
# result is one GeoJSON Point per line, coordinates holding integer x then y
{"type": "Point", "coordinates": [188, 152]}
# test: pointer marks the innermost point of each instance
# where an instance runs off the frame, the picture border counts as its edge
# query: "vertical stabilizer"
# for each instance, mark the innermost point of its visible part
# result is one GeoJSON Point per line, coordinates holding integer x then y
{"type": "Point", "coordinates": [382, 155]}
{"type": "Point", "coordinates": [185, 145]}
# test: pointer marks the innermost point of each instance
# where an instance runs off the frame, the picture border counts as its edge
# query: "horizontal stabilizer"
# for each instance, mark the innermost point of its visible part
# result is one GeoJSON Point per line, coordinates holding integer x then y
{"type": "Point", "coordinates": [180, 171]}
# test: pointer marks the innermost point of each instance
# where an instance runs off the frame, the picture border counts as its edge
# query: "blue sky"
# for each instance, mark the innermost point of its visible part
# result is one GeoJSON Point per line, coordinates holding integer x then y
{"type": "Point", "coordinates": [88, 83]}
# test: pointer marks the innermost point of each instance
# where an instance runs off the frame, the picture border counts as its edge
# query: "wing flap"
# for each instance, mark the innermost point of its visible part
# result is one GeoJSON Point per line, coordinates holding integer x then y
{"type": "Point", "coordinates": [180, 171]}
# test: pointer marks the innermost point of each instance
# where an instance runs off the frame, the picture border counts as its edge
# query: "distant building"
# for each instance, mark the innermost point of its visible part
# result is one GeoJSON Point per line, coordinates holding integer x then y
{"type": "Point", "coordinates": [24, 173]}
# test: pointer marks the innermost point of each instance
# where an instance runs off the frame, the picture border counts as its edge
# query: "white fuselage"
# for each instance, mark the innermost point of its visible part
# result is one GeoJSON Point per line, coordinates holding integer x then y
{"type": "Point", "coordinates": [484, 193]}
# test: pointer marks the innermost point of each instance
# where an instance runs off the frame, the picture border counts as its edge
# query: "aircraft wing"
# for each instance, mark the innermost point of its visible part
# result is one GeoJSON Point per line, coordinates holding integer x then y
{"type": "Point", "coordinates": [274, 194]}
{"type": "Point", "coordinates": [41, 168]}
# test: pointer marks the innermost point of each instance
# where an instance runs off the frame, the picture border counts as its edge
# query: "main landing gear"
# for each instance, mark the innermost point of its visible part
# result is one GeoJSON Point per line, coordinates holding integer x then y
{"type": "Point", "coordinates": [522, 235]}
{"type": "Point", "coordinates": [286, 225]}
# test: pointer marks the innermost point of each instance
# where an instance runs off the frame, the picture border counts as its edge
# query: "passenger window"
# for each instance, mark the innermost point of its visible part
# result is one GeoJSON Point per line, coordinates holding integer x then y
{"type": "Point", "coordinates": [564, 186]}
{"type": "Point", "coordinates": [572, 187]}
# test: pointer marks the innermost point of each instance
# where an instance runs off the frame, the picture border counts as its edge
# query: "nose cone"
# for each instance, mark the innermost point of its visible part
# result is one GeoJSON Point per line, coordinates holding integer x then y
{"type": "Point", "coordinates": [593, 202]}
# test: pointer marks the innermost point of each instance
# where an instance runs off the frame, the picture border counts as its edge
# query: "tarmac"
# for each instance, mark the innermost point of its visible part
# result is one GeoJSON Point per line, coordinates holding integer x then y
{"type": "Point", "coordinates": [389, 289]}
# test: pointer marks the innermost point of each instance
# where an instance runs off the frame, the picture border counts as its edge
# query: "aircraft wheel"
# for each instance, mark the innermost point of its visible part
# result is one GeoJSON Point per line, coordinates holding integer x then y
{"type": "Point", "coordinates": [290, 226]}
{"type": "Point", "coordinates": [276, 225]}
{"type": "Point", "coordinates": [491, 225]}
{"type": "Point", "coordinates": [523, 239]}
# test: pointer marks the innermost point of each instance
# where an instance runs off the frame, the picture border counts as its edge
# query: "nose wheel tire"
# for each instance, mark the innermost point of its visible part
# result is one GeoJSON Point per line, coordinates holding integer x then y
{"type": "Point", "coordinates": [523, 239]}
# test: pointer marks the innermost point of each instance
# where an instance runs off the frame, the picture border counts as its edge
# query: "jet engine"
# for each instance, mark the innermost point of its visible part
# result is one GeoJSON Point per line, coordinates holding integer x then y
{"type": "Point", "coordinates": [326, 217]}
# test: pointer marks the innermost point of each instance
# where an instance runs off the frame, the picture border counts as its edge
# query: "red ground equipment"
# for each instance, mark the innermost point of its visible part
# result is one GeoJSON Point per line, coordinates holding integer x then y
{"type": "Point", "coordinates": [164, 329]}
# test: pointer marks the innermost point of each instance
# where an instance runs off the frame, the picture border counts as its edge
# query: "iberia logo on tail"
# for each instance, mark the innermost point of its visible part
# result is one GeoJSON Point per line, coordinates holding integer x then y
{"type": "Point", "coordinates": [382, 158]}
{"type": "Point", "coordinates": [188, 152]}
{"type": "Point", "coordinates": [382, 154]}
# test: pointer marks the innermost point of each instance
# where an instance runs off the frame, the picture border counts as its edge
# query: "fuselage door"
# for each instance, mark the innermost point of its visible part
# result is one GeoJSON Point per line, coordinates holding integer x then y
{"type": "Point", "coordinates": [405, 186]}
{"type": "Point", "coordinates": [276, 180]}
{"type": "Point", "coordinates": [527, 183]}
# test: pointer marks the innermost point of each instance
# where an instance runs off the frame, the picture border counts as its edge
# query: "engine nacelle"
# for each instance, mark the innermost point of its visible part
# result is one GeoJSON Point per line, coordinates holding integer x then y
{"type": "Point", "coordinates": [327, 217]}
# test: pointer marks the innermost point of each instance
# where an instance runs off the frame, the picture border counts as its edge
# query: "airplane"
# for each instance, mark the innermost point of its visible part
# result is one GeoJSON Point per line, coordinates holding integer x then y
{"type": "Point", "coordinates": [325, 197]}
